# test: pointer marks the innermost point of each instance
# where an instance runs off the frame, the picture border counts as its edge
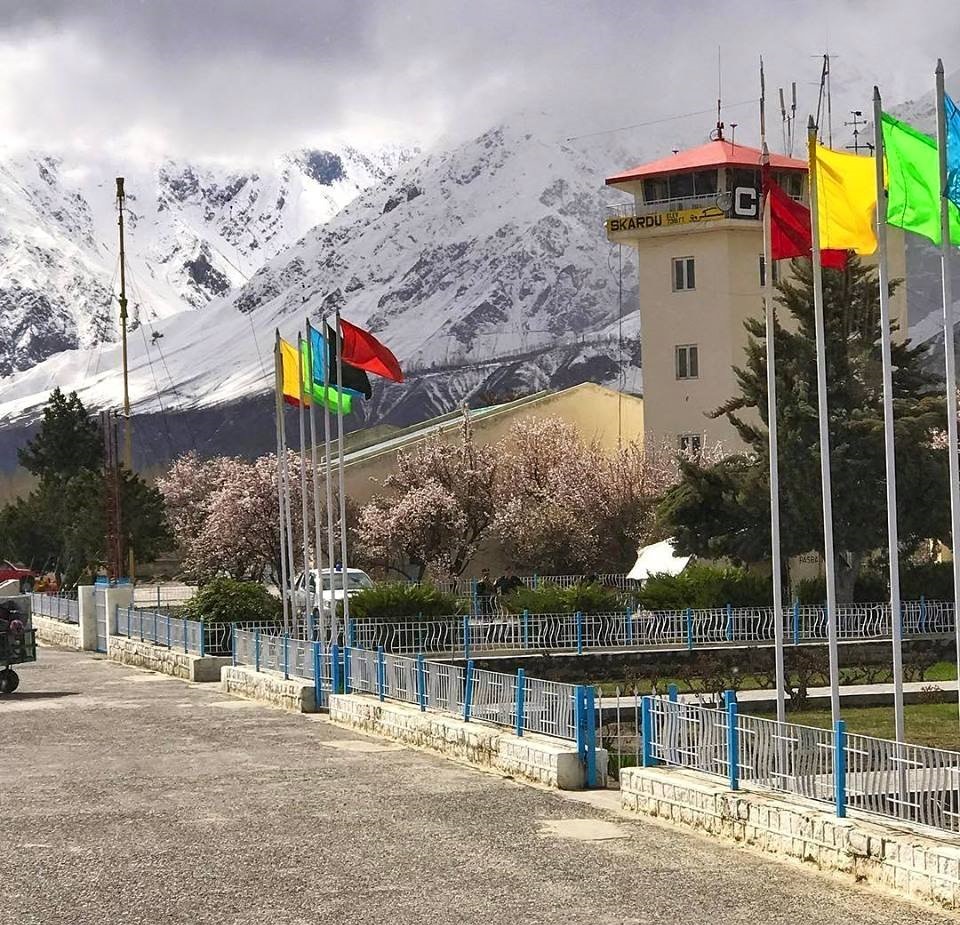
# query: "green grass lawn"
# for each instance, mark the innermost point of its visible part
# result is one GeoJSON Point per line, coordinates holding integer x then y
{"type": "Point", "coordinates": [934, 724]}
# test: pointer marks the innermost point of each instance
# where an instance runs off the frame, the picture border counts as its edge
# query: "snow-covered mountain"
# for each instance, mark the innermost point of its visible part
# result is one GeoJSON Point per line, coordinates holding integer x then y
{"type": "Point", "coordinates": [193, 233]}
{"type": "Point", "coordinates": [485, 267]}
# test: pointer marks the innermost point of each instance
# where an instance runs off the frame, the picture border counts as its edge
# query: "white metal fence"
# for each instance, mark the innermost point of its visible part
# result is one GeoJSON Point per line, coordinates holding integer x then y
{"type": "Point", "coordinates": [908, 783]}
{"type": "Point", "coordinates": [467, 635]}
{"type": "Point", "coordinates": [55, 606]}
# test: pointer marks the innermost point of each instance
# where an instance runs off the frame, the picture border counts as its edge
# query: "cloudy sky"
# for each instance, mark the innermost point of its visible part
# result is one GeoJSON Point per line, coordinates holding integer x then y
{"type": "Point", "coordinates": [244, 79]}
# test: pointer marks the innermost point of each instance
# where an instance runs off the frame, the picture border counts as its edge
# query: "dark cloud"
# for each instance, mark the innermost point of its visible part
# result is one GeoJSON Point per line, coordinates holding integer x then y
{"type": "Point", "coordinates": [251, 77]}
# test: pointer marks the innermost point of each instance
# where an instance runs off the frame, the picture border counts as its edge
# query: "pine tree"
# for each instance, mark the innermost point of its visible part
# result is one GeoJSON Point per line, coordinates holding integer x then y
{"type": "Point", "coordinates": [724, 509]}
{"type": "Point", "coordinates": [68, 441]}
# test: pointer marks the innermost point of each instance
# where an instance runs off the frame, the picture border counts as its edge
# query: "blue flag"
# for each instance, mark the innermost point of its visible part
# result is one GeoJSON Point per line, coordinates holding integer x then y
{"type": "Point", "coordinates": [952, 191]}
{"type": "Point", "coordinates": [321, 350]}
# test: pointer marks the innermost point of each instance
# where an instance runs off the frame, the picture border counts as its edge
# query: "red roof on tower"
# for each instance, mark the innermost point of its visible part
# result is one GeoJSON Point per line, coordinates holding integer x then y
{"type": "Point", "coordinates": [712, 154]}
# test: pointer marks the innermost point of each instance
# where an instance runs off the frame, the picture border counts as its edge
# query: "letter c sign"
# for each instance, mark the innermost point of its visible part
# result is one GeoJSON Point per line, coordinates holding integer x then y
{"type": "Point", "coordinates": [745, 202]}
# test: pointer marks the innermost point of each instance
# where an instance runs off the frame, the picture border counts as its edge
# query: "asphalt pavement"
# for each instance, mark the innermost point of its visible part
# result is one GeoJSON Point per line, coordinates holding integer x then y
{"type": "Point", "coordinates": [130, 797]}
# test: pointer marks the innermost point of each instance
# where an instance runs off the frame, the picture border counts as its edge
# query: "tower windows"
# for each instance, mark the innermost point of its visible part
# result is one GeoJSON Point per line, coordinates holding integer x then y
{"type": "Point", "coordinates": [690, 444]}
{"type": "Point", "coordinates": [684, 276]}
{"type": "Point", "coordinates": [687, 361]}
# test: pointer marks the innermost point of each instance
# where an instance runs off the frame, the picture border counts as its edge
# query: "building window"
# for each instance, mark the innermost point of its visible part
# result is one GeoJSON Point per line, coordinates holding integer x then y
{"type": "Point", "coordinates": [688, 361]}
{"type": "Point", "coordinates": [690, 444]}
{"type": "Point", "coordinates": [683, 274]}
{"type": "Point", "coordinates": [763, 274]}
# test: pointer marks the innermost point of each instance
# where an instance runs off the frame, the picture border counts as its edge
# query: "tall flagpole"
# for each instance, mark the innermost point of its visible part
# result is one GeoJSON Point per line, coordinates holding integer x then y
{"type": "Point", "coordinates": [776, 566]}
{"type": "Point", "coordinates": [317, 544]}
{"type": "Point", "coordinates": [949, 358]}
{"type": "Point", "coordinates": [343, 493]}
{"type": "Point", "coordinates": [328, 478]}
{"type": "Point", "coordinates": [893, 542]}
{"type": "Point", "coordinates": [303, 479]}
{"type": "Point", "coordinates": [830, 565]}
{"type": "Point", "coordinates": [285, 470]}
{"type": "Point", "coordinates": [278, 377]}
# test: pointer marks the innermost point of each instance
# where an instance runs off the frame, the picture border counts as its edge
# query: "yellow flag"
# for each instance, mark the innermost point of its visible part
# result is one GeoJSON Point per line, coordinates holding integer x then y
{"type": "Point", "coordinates": [290, 375]}
{"type": "Point", "coordinates": [846, 201]}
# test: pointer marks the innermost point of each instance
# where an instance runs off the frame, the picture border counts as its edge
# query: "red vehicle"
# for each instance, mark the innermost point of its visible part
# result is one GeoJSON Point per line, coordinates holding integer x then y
{"type": "Point", "coordinates": [27, 577]}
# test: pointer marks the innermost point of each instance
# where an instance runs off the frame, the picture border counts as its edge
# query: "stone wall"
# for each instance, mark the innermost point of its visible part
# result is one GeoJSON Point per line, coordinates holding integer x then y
{"type": "Point", "coordinates": [916, 863]}
{"type": "Point", "coordinates": [55, 632]}
{"type": "Point", "coordinates": [173, 662]}
{"type": "Point", "coordinates": [536, 758]}
{"type": "Point", "coordinates": [265, 686]}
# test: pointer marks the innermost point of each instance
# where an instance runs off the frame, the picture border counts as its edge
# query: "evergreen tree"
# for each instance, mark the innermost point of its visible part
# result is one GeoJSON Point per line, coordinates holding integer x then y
{"type": "Point", "coordinates": [68, 441]}
{"type": "Point", "coordinates": [724, 509]}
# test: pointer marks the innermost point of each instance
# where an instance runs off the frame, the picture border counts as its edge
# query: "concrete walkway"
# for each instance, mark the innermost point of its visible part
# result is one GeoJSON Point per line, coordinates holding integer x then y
{"type": "Point", "coordinates": [132, 797]}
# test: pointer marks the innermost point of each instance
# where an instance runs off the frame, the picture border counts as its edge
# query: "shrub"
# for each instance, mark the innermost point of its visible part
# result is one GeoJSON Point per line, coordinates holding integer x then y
{"type": "Point", "coordinates": [549, 598]}
{"type": "Point", "coordinates": [703, 586]}
{"type": "Point", "coordinates": [226, 600]}
{"type": "Point", "coordinates": [932, 580]}
{"type": "Point", "coordinates": [396, 600]}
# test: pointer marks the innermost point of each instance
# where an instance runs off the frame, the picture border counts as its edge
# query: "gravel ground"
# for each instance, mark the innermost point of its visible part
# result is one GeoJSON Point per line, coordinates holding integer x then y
{"type": "Point", "coordinates": [131, 797]}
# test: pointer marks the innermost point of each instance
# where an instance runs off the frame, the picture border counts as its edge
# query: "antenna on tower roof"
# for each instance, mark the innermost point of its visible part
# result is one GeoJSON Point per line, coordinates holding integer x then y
{"type": "Point", "coordinates": [719, 128]}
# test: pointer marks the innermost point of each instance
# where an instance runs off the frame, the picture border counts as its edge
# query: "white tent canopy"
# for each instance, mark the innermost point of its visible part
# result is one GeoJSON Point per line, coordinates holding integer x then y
{"type": "Point", "coordinates": [658, 559]}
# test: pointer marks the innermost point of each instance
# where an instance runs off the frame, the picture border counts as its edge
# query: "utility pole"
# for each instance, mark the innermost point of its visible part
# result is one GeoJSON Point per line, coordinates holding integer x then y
{"type": "Point", "coordinates": [127, 436]}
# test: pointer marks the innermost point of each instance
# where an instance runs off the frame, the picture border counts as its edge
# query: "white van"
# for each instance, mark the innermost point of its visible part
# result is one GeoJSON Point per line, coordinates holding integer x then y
{"type": "Point", "coordinates": [357, 580]}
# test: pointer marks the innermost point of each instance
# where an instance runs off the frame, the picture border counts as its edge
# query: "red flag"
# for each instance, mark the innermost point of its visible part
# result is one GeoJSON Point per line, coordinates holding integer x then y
{"type": "Point", "coordinates": [790, 230]}
{"type": "Point", "coordinates": [361, 349]}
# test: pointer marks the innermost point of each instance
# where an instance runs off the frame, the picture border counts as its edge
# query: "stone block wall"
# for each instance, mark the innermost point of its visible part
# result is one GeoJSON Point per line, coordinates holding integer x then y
{"type": "Point", "coordinates": [552, 762]}
{"type": "Point", "coordinates": [290, 694]}
{"type": "Point", "coordinates": [176, 663]}
{"type": "Point", "coordinates": [911, 861]}
{"type": "Point", "coordinates": [55, 632]}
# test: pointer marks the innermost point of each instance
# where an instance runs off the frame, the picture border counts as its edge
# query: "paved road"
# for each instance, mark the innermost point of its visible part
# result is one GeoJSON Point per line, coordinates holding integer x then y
{"type": "Point", "coordinates": [130, 797]}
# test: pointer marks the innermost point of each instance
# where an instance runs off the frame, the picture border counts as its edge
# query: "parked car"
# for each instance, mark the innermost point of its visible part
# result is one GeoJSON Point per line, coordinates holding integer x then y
{"type": "Point", "coordinates": [10, 572]}
{"type": "Point", "coordinates": [357, 580]}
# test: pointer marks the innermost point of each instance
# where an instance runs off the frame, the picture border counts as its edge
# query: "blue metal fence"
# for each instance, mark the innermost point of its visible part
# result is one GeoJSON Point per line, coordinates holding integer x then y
{"type": "Point", "coordinates": [188, 636]}
{"type": "Point", "coordinates": [55, 606]}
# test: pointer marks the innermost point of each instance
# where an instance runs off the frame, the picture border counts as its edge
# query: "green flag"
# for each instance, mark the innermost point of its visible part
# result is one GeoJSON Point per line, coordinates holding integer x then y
{"type": "Point", "coordinates": [330, 396]}
{"type": "Point", "coordinates": [913, 182]}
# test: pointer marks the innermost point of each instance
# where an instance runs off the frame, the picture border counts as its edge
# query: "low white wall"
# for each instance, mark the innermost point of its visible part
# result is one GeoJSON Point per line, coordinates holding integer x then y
{"type": "Point", "coordinates": [923, 866]}
{"type": "Point", "coordinates": [267, 687]}
{"type": "Point", "coordinates": [176, 663]}
{"type": "Point", "coordinates": [56, 633]}
{"type": "Point", "coordinates": [536, 758]}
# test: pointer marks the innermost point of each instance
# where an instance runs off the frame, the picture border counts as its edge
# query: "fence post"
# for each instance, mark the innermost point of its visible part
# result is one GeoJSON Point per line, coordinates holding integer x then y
{"type": "Point", "coordinates": [286, 639]}
{"type": "Point", "coordinates": [796, 623]}
{"type": "Point", "coordinates": [468, 693]}
{"type": "Point", "coordinates": [335, 668]}
{"type": "Point", "coordinates": [381, 674]}
{"type": "Point", "coordinates": [923, 614]}
{"type": "Point", "coordinates": [351, 634]}
{"type": "Point", "coordinates": [586, 721]}
{"type": "Point", "coordinates": [646, 727]}
{"type": "Point", "coordinates": [169, 622]}
{"type": "Point", "coordinates": [521, 689]}
{"type": "Point", "coordinates": [317, 675]}
{"type": "Point", "coordinates": [155, 615]}
{"type": "Point", "coordinates": [139, 623]}
{"type": "Point", "coordinates": [421, 684]}
{"type": "Point", "coordinates": [672, 693]}
{"type": "Point", "coordinates": [840, 766]}
{"type": "Point", "coordinates": [203, 633]}
{"type": "Point", "coordinates": [526, 629]}
{"type": "Point", "coordinates": [689, 630]}
{"type": "Point", "coordinates": [346, 669]}
{"type": "Point", "coordinates": [184, 622]}
{"type": "Point", "coordinates": [128, 622]}
{"type": "Point", "coordinates": [733, 742]}
{"type": "Point", "coordinates": [466, 637]}
{"type": "Point", "coordinates": [256, 649]}
{"type": "Point", "coordinates": [310, 625]}
{"type": "Point", "coordinates": [629, 626]}
{"type": "Point", "coordinates": [579, 618]}
{"type": "Point", "coordinates": [729, 623]}
{"type": "Point", "coordinates": [233, 649]}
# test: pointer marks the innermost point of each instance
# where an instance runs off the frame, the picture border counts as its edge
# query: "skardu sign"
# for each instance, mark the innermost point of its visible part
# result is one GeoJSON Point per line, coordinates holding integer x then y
{"type": "Point", "coordinates": [742, 202]}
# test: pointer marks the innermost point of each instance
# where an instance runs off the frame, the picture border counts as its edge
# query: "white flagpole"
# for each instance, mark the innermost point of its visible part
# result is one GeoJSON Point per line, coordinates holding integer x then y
{"type": "Point", "coordinates": [303, 480]}
{"type": "Point", "coordinates": [328, 477]}
{"type": "Point", "coordinates": [776, 567]}
{"type": "Point", "coordinates": [278, 384]}
{"type": "Point", "coordinates": [830, 564]}
{"type": "Point", "coordinates": [949, 358]}
{"type": "Point", "coordinates": [343, 493]}
{"type": "Point", "coordinates": [285, 470]}
{"type": "Point", "coordinates": [318, 545]}
{"type": "Point", "coordinates": [893, 542]}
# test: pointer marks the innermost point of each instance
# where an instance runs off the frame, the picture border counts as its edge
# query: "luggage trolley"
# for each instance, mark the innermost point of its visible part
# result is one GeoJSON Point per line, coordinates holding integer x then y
{"type": "Point", "coordinates": [18, 644]}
